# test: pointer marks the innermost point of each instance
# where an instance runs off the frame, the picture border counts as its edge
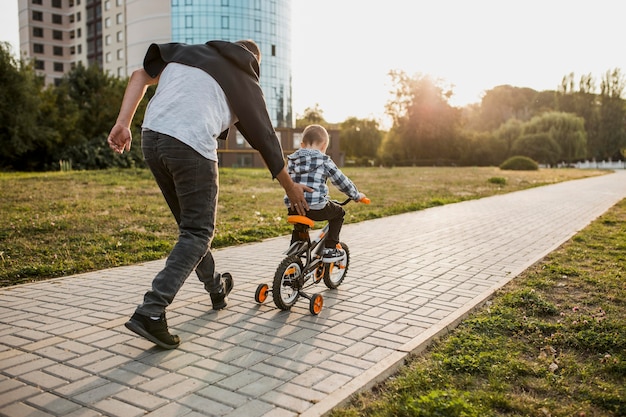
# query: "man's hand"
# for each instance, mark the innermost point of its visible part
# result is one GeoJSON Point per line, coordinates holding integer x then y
{"type": "Point", "coordinates": [296, 198]}
{"type": "Point", "coordinates": [120, 138]}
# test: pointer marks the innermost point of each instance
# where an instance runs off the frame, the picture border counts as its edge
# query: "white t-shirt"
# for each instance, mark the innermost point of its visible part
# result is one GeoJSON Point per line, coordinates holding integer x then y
{"type": "Point", "coordinates": [190, 106]}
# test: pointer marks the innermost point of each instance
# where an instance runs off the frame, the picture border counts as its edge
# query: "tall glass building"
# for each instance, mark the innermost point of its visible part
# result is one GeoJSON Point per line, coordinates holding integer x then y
{"type": "Point", "coordinates": [267, 22]}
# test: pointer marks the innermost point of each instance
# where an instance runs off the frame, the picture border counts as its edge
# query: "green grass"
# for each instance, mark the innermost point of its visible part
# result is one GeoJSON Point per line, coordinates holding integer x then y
{"type": "Point", "coordinates": [62, 223]}
{"type": "Point", "coordinates": [552, 342]}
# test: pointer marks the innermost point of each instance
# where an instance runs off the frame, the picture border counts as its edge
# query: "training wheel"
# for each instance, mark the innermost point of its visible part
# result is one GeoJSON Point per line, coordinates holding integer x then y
{"type": "Point", "coordinates": [316, 304]}
{"type": "Point", "coordinates": [261, 293]}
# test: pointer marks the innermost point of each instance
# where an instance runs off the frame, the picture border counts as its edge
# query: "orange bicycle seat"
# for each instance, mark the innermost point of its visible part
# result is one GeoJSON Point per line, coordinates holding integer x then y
{"type": "Point", "coordinates": [297, 219]}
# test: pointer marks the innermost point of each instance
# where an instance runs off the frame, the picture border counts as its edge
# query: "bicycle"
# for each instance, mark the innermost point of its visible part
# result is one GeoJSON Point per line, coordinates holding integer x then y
{"type": "Point", "coordinates": [303, 268]}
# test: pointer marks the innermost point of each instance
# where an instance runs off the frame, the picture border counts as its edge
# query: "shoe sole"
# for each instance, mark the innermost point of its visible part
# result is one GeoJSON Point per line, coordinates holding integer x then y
{"type": "Point", "coordinates": [137, 328]}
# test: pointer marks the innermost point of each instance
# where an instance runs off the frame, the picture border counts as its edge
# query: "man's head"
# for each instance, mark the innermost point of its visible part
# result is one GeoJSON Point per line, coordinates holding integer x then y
{"type": "Point", "coordinates": [315, 136]}
{"type": "Point", "coordinates": [252, 47]}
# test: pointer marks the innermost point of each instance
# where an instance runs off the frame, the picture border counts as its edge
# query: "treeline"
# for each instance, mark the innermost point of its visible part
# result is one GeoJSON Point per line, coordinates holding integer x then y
{"type": "Point", "coordinates": [65, 126]}
{"type": "Point", "coordinates": [575, 122]}
{"type": "Point", "coordinates": [46, 127]}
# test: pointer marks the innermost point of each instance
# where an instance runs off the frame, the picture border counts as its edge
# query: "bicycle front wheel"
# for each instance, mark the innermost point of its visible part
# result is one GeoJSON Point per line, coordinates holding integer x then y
{"type": "Point", "coordinates": [336, 271]}
{"type": "Point", "coordinates": [286, 286]}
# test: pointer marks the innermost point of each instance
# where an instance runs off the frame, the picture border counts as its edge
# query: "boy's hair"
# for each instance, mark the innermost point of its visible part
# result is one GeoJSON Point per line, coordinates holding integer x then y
{"type": "Point", "coordinates": [251, 46]}
{"type": "Point", "coordinates": [314, 134]}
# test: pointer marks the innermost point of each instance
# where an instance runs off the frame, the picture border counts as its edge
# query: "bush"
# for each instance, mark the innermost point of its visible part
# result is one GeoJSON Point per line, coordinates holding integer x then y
{"type": "Point", "coordinates": [519, 163]}
{"type": "Point", "coordinates": [497, 180]}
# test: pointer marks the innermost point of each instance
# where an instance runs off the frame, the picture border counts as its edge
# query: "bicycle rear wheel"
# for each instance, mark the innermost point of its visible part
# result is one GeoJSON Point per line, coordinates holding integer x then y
{"type": "Point", "coordinates": [336, 271]}
{"type": "Point", "coordinates": [285, 288]}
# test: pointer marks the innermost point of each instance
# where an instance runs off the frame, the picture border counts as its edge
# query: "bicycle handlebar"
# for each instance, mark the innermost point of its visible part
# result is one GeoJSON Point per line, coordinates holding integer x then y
{"type": "Point", "coordinates": [364, 200]}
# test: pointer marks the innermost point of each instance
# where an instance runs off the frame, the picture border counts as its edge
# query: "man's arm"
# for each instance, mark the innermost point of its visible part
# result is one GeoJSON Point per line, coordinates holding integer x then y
{"type": "Point", "coordinates": [294, 191]}
{"type": "Point", "coordinates": [120, 137]}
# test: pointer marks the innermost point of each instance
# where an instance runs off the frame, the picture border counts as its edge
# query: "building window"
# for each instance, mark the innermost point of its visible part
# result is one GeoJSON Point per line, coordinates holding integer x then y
{"type": "Point", "coordinates": [37, 1]}
{"type": "Point", "coordinates": [38, 48]}
{"type": "Point", "coordinates": [78, 32]}
{"type": "Point", "coordinates": [118, 3]}
{"type": "Point", "coordinates": [78, 16]}
{"type": "Point", "coordinates": [225, 22]}
{"type": "Point", "coordinates": [57, 50]}
{"type": "Point", "coordinates": [257, 25]}
{"type": "Point", "coordinates": [120, 36]}
{"type": "Point", "coordinates": [57, 34]}
{"type": "Point", "coordinates": [225, 3]}
{"type": "Point", "coordinates": [72, 18]}
{"type": "Point", "coordinates": [107, 5]}
{"type": "Point", "coordinates": [58, 67]}
{"type": "Point", "coordinates": [79, 48]}
{"type": "Point", "coordinates": [273, 50]}
{"type": "Point", "coordinates": [56, 4]}
{"type": "Point", "coordinates": [57, 19]}
{"type": "Point", "coordinates": [257, 4]}
{"type": "Point", "coordinates": [39, 64]}
{"type": "Point", "coordinates": [37, 16]}
{"type": "Point", "coordinates": [72, 50]}
{"type": "Point", "coordinates": [107, 57]}
{"type": "Point", "coordinates": [188, 2]}
{"type": "Point", "coordinates": [297, 139]}
{"type": "Point", "coordinates": [107, 40]}
{"type": "Point", "coordinates": [188, 21]}
{"type": "Point", "coordinates": [120, 54]}
{"type": "Point", "coordinates": [37, 32]}
{"type": "Point", "coordinates": [119, 19]}
{"type": "Point", "coordinates": [107, 22]}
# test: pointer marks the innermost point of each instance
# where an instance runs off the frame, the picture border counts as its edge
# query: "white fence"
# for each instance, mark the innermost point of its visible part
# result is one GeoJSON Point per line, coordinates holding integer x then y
{"type": "Point", "coordinates": [601, 165]}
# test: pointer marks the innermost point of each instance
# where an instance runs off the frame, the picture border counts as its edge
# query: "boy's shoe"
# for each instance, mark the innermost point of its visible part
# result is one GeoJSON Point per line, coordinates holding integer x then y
{"type": "Point", "coordinates": [332, 255]}
{"type": "Point", "coordinates": [220, 299]}
{"type": "Point", "coordinates": [153, 330]}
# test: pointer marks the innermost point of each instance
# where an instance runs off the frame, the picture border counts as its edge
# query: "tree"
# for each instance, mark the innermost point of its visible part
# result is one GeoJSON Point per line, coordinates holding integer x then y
{"type": "Point", "coordinates": [20, 132]}
{"type": "Point", "coordinates": [312, 115]}
{"type": "Point", "coordinates": [566, 130]}
{"type": "Point", "coordinates": [539, 147]}
{"type": "Point", "coordinates": [425, 126]}
{"type": "Point", "coordinates": [360, 139]}
{"type": "Point", "coordinates": [612, 130]}
{"type": "Point", "coordinates": [507, 134]}
{"type": "Point", "coordinates": [505, 102]}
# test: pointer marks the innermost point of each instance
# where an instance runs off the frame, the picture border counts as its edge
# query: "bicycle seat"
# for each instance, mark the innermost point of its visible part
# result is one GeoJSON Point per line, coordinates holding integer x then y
{"type": "Point", "coordinates": [297, 219]}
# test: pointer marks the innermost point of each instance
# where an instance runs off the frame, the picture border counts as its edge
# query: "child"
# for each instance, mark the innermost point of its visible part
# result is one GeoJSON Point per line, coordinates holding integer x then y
{"type": "Point", "coordinates": [310, 166]}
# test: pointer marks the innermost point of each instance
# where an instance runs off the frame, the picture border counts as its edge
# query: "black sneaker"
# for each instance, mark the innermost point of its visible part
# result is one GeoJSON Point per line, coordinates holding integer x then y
{"type": "Point", "coordinates": [220, 299]}
{"type": "Point", "coordinates": [330, 255]}
{"type": "Point", "coordinates": [153, 330]}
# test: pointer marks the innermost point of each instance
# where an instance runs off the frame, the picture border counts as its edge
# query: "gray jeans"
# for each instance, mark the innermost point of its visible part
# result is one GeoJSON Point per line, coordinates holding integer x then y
{"type": "Point", "coordinates": [190, 184]}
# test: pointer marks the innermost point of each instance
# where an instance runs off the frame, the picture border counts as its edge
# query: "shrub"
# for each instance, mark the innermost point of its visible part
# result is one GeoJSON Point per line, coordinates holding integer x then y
{"type": "Point", "coordinates": [519, 163]}
{"type": "Point", "coordinates": [497, 180]}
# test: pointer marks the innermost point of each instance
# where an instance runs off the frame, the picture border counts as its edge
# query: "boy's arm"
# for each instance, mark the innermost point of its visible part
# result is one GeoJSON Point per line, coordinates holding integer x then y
{"type": "Point", "coordinates": [294, 191]}
{"type": "Point", "coordinates": [120, 137]}
{"type": "Point", "coordinates": [342, 182]}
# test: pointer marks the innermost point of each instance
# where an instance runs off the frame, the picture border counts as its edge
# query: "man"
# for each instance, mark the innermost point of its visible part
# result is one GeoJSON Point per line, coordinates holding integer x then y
{"type": "Point", "coordinates": [202, 91]}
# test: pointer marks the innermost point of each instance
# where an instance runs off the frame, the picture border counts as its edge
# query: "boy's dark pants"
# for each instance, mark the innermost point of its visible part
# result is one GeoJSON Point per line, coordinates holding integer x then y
{"type": "Point", "coordinates": [334, 214]}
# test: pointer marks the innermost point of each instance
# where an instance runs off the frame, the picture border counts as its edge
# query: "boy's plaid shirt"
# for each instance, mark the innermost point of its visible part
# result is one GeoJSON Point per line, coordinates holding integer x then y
{"type": "Point", "coordinates": [313, 168]}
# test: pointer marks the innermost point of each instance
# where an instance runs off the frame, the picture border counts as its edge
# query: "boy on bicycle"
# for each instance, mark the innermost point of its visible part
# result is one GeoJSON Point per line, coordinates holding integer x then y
{"type": "Point", "coordinates": [310, 166]}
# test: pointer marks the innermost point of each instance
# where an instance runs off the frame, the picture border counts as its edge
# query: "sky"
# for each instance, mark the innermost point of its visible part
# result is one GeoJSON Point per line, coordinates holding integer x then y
{"type": "Point", "coordinates": [343, 50]}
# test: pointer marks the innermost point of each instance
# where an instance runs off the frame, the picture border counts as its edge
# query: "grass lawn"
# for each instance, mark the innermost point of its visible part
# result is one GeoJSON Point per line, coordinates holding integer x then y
{"type": "Point", "coordinates": [61, 223]}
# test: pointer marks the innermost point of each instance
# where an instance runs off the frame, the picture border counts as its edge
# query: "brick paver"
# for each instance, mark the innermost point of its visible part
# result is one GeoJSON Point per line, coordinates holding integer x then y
{"type": "Point", "coordinates": [64, 349]}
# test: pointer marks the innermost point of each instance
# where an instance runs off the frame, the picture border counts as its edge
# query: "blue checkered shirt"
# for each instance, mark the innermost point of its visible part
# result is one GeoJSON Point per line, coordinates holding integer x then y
{"type": "Point", "coordinates": [313, 168]}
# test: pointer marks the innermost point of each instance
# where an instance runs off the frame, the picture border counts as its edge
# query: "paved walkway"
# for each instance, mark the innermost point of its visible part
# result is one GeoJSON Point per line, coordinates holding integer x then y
{"type": "Point", "coordinates": [65, 352]}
